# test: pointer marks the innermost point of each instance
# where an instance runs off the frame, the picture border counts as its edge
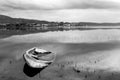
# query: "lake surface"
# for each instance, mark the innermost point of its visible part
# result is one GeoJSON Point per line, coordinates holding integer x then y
{"type": "Point", "coordinates": [98, 49]}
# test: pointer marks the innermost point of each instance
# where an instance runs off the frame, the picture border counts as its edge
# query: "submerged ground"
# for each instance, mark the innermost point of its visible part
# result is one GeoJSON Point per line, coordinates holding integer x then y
{"type": "Point", "coordinates": [81, 55]}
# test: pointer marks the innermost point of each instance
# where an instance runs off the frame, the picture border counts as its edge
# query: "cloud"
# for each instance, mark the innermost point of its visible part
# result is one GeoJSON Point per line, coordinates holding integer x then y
{"type": "Point", "coordinates": [94, 4]}
{"type": "Point", "coordinates": [63, 10]}
{"type": "Point", "coordinates": [58, 4]}
{"type": "Point", "coordinates": [32, 5]}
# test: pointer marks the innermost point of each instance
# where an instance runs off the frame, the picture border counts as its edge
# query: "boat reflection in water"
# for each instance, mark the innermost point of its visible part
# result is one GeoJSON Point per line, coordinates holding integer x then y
{"type": "Point", "coordinates": [38, 58]}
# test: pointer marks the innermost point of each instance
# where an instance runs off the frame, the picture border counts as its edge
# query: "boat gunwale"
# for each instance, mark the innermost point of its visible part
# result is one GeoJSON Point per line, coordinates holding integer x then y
{"type": "Point", "coordinates": [39, 61]}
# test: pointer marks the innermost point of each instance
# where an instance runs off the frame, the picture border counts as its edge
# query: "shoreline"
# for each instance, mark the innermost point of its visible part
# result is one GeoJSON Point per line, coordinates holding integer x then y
{"type": "Point", "coordinates": [8, 33]}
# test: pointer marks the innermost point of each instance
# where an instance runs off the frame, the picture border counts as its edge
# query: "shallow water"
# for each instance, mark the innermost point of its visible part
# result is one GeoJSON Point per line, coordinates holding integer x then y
{"type": "Point", "coordinates": [96, 49]}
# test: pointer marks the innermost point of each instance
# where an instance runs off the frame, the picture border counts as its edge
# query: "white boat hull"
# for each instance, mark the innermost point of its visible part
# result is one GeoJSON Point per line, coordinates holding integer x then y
{"type": "Point", "coordinates": [36, 63]}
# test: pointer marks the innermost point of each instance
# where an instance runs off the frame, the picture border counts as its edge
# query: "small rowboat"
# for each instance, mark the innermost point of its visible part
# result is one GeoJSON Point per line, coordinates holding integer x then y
{"type": "Point", "coordinates": [38, 58]}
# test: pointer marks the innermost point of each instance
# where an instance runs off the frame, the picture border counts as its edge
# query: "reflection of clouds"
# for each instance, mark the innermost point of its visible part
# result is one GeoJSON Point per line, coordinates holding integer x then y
{"type": "Point", "coordinates": [69, 36]}
{"type": "Point", "coordinates": [114, 60]}
{"type": "Point", "coordinates": [101, 60]}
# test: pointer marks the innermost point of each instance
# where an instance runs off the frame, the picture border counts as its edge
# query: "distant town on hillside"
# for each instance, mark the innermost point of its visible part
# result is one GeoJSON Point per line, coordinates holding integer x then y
{"type": "Point", "coordinates": [19, 24]}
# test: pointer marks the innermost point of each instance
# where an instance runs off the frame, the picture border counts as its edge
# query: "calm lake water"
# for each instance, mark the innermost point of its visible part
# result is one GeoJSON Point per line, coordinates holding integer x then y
{"type": "Point", "coordinates": [79, 46]}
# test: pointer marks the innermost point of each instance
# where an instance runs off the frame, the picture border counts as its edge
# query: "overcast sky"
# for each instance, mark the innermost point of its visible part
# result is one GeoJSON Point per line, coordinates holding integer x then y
{"type": "Point", "coordinates": [63, 10]}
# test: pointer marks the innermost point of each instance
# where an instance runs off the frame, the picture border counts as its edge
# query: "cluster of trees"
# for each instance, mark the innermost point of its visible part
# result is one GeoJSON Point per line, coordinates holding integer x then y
{"type": "Point", "coordinates": [21, 26]}
{"type": "Point", "coordinates": [52, 26]}
{"type": "Point", "coordinates": [28, 26]}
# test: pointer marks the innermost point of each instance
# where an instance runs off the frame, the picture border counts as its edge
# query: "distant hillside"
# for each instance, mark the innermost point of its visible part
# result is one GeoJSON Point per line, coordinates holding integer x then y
{"type": "Point", "coordinates": [99, 24]}
{"type": "Point", "coordinates": [7, 19]}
